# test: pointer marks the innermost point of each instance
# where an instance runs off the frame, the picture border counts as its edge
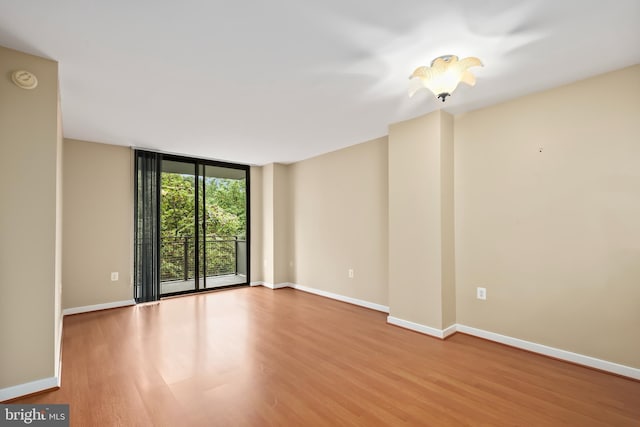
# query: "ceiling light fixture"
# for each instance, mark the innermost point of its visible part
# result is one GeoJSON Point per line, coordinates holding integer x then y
{"type": "Point", "coordinates": [443, 76]}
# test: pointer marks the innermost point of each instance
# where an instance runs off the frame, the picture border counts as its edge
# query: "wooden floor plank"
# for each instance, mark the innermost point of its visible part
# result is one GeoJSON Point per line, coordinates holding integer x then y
{"type": "Point", "coordinates": [258, 357]}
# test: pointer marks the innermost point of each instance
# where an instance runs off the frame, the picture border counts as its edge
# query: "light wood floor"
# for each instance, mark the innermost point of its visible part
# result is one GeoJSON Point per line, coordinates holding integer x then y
{"type": "Point", "coordinates": [258, 357]}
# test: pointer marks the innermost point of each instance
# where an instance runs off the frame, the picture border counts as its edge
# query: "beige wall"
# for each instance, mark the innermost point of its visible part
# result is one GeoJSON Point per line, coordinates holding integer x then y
{"type": "Point", "coordinates": [98, 228]}
{"type": "Point", "coordinates": [554, 236]}
{"type": "Point", "coordinates": [267, 224]}
{"type": "Point", "coordinates": [57, 312]}
{"type": "Point", "coordinates": [282, 260]}
{"type": "Point", "coordinates": [339, 221]}
{"type": "Point", "coordinates": [420, 181]}
{"type": "Point", "coordinates": [29, 179]}
{"type": "Point", "coordinates": [275, 224]}
{"type": "Point", "coordinates": [447, 236]}
{"type": "Point", "coordinates": [255, 177]}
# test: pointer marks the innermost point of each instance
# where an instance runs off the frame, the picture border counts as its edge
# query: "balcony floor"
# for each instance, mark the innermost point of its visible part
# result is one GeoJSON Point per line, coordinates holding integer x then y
{"type": "Point", "coordinates": [212, 283]}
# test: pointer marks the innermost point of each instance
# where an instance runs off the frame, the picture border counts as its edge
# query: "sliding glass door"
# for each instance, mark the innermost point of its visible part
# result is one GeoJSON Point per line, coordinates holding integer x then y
{"type": "Point", "coordinates": [202, 228]}
{"type": "Point", "coordinates": [223, 230]}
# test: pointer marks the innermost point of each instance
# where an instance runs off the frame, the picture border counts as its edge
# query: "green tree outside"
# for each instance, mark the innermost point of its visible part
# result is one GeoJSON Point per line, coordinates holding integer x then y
{"type": "Point", "coordinates": [225, 213]}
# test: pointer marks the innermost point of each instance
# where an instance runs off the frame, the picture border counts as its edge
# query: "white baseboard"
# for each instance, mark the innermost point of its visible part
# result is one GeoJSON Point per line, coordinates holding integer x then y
{"type": "Point", "coordinates": [96, 307]}
{"type": "Point", "coordinates": [271, 285]}
{"type": "Point", "coordinates": [428, 330]}
{"type": "Point", "coordinates": [59, 367]}
{"type": "Point", "coordinates": [449, 331]}
{"type": "Point", "coordinates": [580, 359]}
{"type": "Point", "coordinates": [338, 297]}
{"type": "Point", "coordinates": [28, 388]}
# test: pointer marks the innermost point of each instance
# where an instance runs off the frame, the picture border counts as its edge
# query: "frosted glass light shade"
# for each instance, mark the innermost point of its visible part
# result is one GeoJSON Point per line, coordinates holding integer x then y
{"type": "Point", "coordinates": [444, 75]}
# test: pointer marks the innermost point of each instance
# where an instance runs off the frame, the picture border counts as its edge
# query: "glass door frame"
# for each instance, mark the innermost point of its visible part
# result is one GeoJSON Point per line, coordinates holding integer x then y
{"type": "Point", "coordinates": [199, 166]}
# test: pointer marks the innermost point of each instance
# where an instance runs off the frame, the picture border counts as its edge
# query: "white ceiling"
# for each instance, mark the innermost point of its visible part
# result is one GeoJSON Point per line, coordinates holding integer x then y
{"type": "Point", "coordinates": [279, 81]}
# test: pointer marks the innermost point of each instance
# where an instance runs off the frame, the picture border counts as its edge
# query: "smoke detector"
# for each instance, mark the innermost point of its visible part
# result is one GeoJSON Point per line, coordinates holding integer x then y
{"type": "Point", "coordinates": [24, 79]}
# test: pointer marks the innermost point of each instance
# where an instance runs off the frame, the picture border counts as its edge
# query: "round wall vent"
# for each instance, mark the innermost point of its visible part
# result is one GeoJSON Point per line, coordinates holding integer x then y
{"type": "Point", "coordinates": [24, 79]}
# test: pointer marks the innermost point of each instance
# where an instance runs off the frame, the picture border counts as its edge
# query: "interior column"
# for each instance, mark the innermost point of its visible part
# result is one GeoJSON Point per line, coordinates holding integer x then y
{"type": "Point", "coordinates": [421, 238]}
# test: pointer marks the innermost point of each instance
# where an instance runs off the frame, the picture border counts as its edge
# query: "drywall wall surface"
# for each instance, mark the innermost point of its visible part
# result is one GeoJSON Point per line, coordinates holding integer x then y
{"type": "Point", "coordinates": [339, 221]}
{"type": "Point", "coordinates": [255, 174]}
{"type": "Point", "coordinates": [98, 223]}
{"type": "Point", "coordinates": [415, 220]}
{"type": "Point", "coordinates": [547, 208]}
{"type": "Point", "coordinates": [29, 221]}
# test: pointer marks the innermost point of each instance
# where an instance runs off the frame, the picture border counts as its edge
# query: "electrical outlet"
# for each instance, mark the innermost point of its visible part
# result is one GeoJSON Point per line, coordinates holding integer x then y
{"type": "Point", "coordinates": [350, 273]}
{"type": "Point", "coordinates": [481, 293]}
{"type": "Point", "coordinates": [114, 276]}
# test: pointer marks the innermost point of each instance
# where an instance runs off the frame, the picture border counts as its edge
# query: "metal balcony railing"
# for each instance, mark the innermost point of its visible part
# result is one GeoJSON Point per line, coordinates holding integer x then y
{"type": "Point", "coordinates": [220, 256]}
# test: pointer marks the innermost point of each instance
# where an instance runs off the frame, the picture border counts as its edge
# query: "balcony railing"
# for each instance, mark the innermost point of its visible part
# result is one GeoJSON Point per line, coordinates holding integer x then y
{"type": "Point", "coordinates": [222, 256]}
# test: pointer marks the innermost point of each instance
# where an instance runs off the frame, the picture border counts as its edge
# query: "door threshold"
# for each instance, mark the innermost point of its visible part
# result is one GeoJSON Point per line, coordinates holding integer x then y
{"type": "Point", "coordinates": [200, 291]}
